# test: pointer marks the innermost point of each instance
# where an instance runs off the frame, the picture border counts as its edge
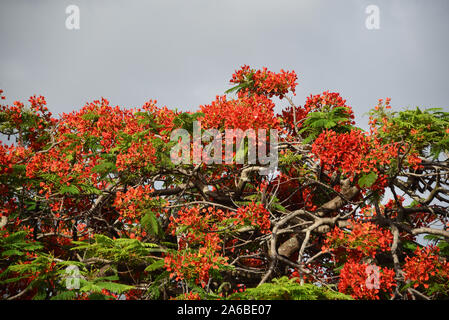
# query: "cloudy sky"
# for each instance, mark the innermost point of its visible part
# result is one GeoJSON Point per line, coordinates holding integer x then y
{"type": "Point", "coordinates": [183, 52]}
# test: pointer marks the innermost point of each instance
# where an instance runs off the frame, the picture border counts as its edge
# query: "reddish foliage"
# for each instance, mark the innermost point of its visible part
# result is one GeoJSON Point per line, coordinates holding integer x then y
{"type": "Point", "coordinates": [426, 267]}
{"type": "Point", "coordinates": [354, 276]}
{"type": "Point", "coordinates": [233, 114]}
{"type": "Point", "coordinates": [95, 171]}
{"type": "Point", "coordinates": [364, 239]}
{"type": "Point", "coordinates": [265, 82]}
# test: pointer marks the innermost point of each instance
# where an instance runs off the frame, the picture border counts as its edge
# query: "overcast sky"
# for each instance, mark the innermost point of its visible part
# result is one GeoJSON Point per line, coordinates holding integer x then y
{"type": "Point", "coordinates": [183, 52]}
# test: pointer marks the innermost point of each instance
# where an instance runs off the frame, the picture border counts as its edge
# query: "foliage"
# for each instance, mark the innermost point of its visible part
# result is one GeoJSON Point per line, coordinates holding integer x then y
{"type": "Point", "coordinates": [289, 289]}
{"type": "Point", "coordinates": [95, 192]}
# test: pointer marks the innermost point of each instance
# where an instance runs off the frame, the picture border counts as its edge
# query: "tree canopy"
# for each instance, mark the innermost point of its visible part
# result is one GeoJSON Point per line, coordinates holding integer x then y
{"type": "Point", "coordinates": [94, 207]}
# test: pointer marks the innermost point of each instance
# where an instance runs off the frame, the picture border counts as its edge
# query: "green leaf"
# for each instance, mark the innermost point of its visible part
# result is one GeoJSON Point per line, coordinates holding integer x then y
{"type": "Point", "coordinates": [432, 237]}
{"type": "Point", "coordinates": [330, 124]}
{"type": "Point", "coordinates": [288, 289]}
{"type": "Point", "coordinates": [155, 265]}
{"type": "Point", "coordinates": [409, 245]}
{"type": "Point", "coordinates": [278, 207]}
{"type": "Point", "coordinates": [90, 116]}
{"type": "Point", "coordinates": [150, 223]}
{"type": "Point", "coordinates": [320, 123]}
{"type": "Point", "coordinates": [104, 167]}
{"type": "Point", "coordinates": [31, 205]}
{"type": "Point", "coordinates": [65, 295]}
{"type": "Point", "coordinates": [12, 252]}
{"type": "Point", "coordinates": [444, 248]}
{"type": "Point", "coordinates": [114, 287]}
{"type": "Point", "coordinates": [41, 295]}
{"type": "Point", "coordinates": [235, 88]}
{"type": "Point", "coordinates": [406, 286]}
{"type": "Point", "coordinates": [367, 180]}
{"type": "Point", "coordinates": [102, 239]}
{"type": "Point", "coordinates": [90, 190]}
{"type": "Point", "coordinates": [97, 296]}
{"type": "Point", "coordinates": [72, 189]}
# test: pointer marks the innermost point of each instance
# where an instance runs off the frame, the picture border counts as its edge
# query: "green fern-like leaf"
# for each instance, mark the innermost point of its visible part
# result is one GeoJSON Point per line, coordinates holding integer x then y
{"type": "Point", "coordinates": [288, 289]}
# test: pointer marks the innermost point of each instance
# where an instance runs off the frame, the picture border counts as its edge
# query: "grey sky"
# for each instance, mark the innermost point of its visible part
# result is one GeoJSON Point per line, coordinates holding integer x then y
{"type": "Point", "coordinates": [183, 52]}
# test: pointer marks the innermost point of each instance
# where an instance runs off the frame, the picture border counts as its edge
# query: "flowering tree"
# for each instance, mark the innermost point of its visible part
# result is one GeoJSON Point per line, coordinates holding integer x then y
{"type": "Point", "coordinates": [93, 207]}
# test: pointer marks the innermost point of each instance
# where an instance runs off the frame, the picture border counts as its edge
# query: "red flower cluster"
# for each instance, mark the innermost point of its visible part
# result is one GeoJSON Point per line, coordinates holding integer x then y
{"type": "Point", "coordinates": [292, 189]}
{"type": "Point", "coordinates": [265, 82]}
{"type": "Point", "coordinates": [200, 226]}
{"type": "Point", "coordinates": [138, 156]}
{"type": "Point", "coordinates": [7, 158]}
{"type": "Point", "coordinates": [36, 134]}
{"type": "Point", "coordinates": [354, 277]}
{"type": "Point", "coordinates": [133, 202]}
{"type": "Point", "coordinates": [163, 118]}
{"type": "Point", "coordinates": [255, 112]}
{"type": "Point", "coordinates": [341, 151]}
{"type": "Point", "coordinates": [364, 239]}
{"type": "Point", "coordinates": [188, 296]}
{"type": "Point", "coordinates": [83, 136]}
{"type": "Point", "coordinates": [255, 215]}
{"type": "Point", "coordinates": [356, 152]}
{"type": "Point", "coordinates": [425, 267]}
{"type": "Point", "coordinates": [194, 265]}
{"type": "Point", "coordinates": [326, 101]}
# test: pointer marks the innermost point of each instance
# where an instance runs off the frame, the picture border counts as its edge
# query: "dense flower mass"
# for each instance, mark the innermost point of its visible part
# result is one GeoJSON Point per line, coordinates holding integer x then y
{"type": "Point", "coordinates": [356, 152]}
{"type": "Point", "coordinates": [427, 269]}
{"type": "Point", "coordinates": [254, 112]}
{"type": "Point", "coordinates": [294, 116]}
{"type": "Point", "coordinates": [364, 239]}
{"type": "Point", "coordinates": [200, 226]}
{"type": "Point", "coordinates": [264, 82]}
{"type": "Point", "coordinates": [194, 266]}
{"type": "Point", "coordinates": [342, 152]}
{"type": "Point", "coordinates": [327, 101]}
{"type": "Point", "coordinates": [355, 280]}
{"type": "Point", "coordinates": [95, 191]}
{"type": "Point", "coordinates": [255, 215]}
{"type": "Point", "coordinates": [132, 203]}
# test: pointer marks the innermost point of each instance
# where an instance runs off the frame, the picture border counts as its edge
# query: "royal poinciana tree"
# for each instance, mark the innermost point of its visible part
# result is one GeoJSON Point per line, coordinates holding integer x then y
{"type": "Point", "coordinates": [92, 205]}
